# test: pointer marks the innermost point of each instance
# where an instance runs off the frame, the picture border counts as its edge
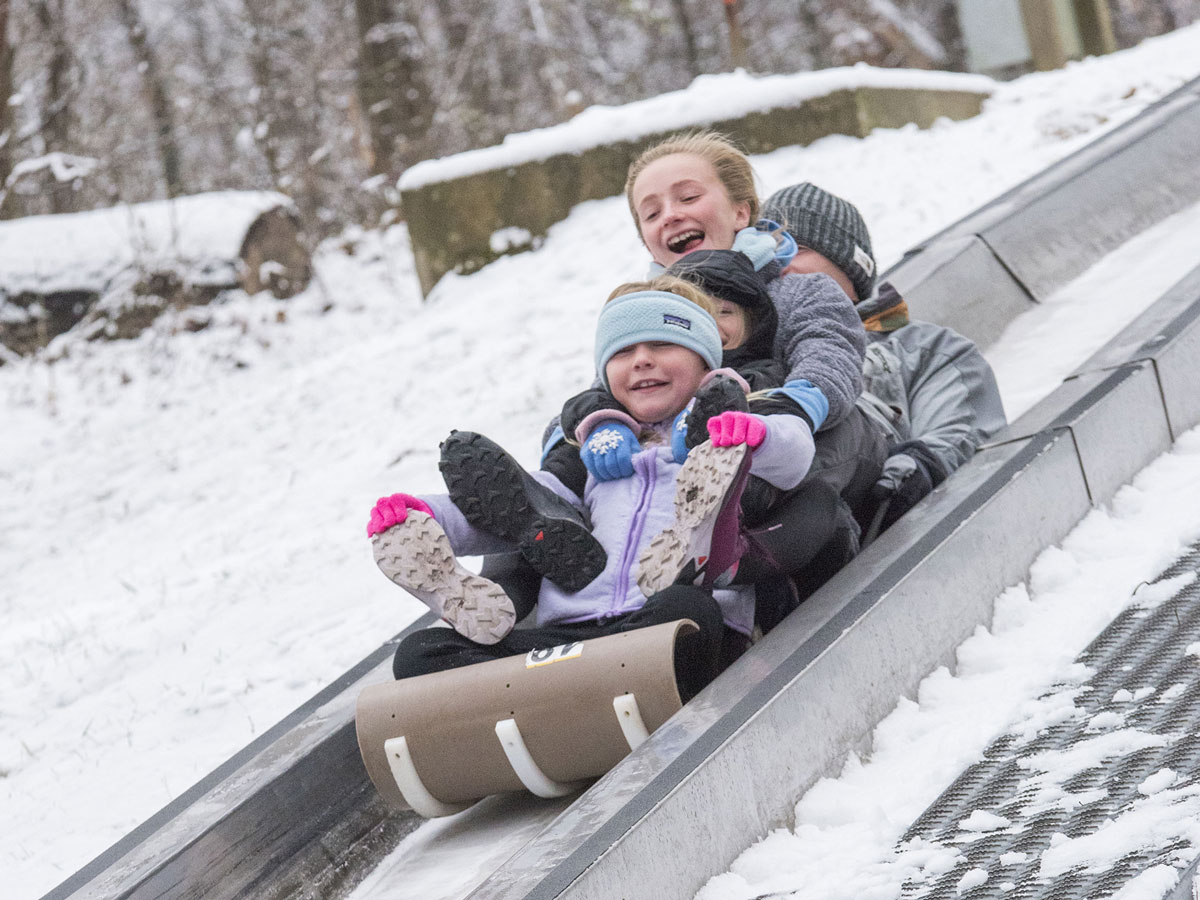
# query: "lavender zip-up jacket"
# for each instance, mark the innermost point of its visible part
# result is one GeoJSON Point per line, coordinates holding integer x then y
{"type": "Point", "coordinates": [626, 513]}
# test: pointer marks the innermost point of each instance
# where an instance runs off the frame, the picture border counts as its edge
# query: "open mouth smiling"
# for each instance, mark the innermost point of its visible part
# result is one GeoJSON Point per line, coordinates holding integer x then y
{"type": "Point", "coordinates": [680, 243]}
{"type": "Point", "coordinates": [647, 384]}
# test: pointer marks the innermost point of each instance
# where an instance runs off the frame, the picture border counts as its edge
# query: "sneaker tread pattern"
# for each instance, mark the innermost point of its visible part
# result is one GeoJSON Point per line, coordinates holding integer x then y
{"type": "Point", "coordinates": [701, 486]}
{"type": "Point", "coordinates": [489, 487]}
{"type": "Point", "coordinates": [416, 555]}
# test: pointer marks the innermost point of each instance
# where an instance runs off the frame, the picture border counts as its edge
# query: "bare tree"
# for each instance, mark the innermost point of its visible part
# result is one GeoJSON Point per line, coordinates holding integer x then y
{"type": "Point", "coordinates": [392, 84]}
{"type": "Point", "coordinates": [1135, 20]}
{"type": "Point", "coordinates": [211, 85]}
{"type": "Point", "coordinates": [6, 113]}
{"type": "Point", "coordinates": [56, 124]}
{"type": "Point", "coordinates": [158, 94]}
{"type": "Point", "coordinates": [691, 54]}
{"type": "Point", "coordinates": [737, 43]}
{"type": "Point", "coordinates": [328, 100]}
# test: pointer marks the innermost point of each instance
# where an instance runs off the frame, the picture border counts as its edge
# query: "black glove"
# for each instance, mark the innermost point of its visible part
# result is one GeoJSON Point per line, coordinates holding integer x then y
{"type": "Point", "coordinates": [721, 394]}
{"type": "Point", "coordinates": [909, 473]}
{"type": "Point", "coordinates": [583, 405]}
{"type": "Point", "coordinates": [563, 462]}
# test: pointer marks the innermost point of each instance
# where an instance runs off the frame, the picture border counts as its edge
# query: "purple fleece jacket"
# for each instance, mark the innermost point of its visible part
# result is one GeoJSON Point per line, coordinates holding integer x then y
{"type": "Point", "coordinates": [626, 513]}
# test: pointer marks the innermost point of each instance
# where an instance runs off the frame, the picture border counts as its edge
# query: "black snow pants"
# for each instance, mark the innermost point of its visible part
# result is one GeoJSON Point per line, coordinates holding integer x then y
{"type": "Point", "coordinates": [699, 656]}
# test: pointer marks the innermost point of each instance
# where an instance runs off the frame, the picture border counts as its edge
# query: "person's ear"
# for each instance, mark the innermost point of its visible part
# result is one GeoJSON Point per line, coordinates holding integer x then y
{"type": "Point", "coordinates": [741, 214]}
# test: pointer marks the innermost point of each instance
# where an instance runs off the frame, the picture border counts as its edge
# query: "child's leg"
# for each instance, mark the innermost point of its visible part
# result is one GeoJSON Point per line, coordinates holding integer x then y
{"type": "Point", "coordinates": [516, 576]}
{"type": "Point", "coordinates": [801, 543]}
{"type": "Point", "coordinates": [416, 555]}
{"type": "Point", "coordinates": [699, 656]}
{"type": "Point", "coordinates": [791, 534]}
{"type": "Point", "coordinates": [437, 649]}
{"type": "Point", "coordinates": [496, 494]}
{"type": "Point", "coordinates": [757, 500]}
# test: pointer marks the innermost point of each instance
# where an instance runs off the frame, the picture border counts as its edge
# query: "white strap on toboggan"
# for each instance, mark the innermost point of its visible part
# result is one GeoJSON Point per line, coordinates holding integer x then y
{"type": "Point", "coordinates": [442, 741]}
{"type": "Point", "coordinates": [409, 782]}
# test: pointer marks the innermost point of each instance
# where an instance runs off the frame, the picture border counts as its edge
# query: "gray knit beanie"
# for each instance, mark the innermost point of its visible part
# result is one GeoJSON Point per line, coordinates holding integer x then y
{"type": "Point", "coordinates": [655, 316]}
{"type": "Point", "coordinates": [831, 226]}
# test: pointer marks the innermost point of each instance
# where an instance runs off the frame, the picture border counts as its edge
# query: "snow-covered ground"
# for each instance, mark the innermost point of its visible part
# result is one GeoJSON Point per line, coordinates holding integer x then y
{"type": "Point", "coordinates": [182, 547]}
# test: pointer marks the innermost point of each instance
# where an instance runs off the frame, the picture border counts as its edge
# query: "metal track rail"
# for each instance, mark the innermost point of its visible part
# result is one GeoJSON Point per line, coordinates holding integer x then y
{"type": "Point", "coordinates": [294, 816]}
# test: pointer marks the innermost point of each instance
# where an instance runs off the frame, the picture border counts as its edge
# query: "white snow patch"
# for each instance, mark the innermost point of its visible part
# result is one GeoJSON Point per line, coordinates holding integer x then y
{"type": "Point", "coordinates": [504, 239]}
{"type": "Point", "coordinates": [972, 879]}
{"type": "Point", "coordinates": [982, 821]}
{"type": "Point", "coordinates": [1159, 781]}
{"type": "Point", "coordinates": [85, 251]}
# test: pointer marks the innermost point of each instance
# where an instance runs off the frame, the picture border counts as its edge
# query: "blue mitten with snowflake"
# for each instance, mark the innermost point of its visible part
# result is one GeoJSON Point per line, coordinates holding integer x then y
{"type": "Point", "coordinates": [608, 451]}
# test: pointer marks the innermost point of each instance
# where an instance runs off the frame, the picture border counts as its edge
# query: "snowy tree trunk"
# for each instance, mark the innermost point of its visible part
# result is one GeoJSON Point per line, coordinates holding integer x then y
{"type": "Point", "coordinates": [690, 53]}
{"type": "Point", "coordinates": [57, 119]}
{"type": "Point", "coordinates": [264, 105]}
{"type": "Point", "coordinates": [156, 89]}
{"type": "Point", "coordinates": [221, 116]}
{"type": "Point", "coordinates": [391, 82]}
{"type": "Point", "coordinates": [737, 43]}
{"type": "Point", "coordinates": [6, 111]}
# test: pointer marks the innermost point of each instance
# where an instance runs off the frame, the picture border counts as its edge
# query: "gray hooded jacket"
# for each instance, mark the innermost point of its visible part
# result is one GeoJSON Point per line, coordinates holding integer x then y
{"type": "Point", "coordinates": [925, 382]}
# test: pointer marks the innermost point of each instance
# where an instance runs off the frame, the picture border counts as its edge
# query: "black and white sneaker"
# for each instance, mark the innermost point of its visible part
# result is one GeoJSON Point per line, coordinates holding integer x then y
{"type": "Point", "coordinates": [497, 495]}
{"type": "Point", "coordinates": [416, 555]}
{"type": "Point", "coordinates": [704, 544]}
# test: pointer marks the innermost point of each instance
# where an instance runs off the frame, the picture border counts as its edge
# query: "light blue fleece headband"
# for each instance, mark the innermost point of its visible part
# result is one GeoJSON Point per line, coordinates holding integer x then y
{"type": "Point", "coordinates": [655, 316]}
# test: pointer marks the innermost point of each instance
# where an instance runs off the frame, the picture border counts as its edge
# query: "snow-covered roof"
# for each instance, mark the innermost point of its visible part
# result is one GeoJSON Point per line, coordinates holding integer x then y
{"type": "Point", "coordinates": [708, 99]}
{"type": "Point", "coordinates": [198, 236]}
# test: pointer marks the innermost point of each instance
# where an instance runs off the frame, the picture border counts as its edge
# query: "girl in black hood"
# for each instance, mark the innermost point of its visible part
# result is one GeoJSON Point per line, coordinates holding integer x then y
{"type": "Point", "coordinates": [729, 277]}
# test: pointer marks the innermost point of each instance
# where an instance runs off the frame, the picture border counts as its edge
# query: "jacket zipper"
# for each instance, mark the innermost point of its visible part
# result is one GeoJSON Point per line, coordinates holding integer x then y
{"type": "Point", "coordinates": [644, 465]}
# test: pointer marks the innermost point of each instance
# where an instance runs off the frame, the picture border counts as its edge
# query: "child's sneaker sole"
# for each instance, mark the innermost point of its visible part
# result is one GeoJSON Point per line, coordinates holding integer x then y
{"type": "Point", "coordinates": [680, 552]}
{"type": "Point", "coordinates": [497, 495]}
{"type": "Point", "coordinates": [416, 555]}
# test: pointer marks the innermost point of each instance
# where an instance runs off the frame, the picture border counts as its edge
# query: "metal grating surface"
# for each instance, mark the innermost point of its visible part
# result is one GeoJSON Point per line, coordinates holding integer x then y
{"type": "Point", "coordinates": [1146, 645]}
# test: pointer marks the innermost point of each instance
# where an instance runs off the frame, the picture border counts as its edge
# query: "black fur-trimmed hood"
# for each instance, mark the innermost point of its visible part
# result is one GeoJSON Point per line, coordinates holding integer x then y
{"type": "Point", "coordinates": [729, 275]}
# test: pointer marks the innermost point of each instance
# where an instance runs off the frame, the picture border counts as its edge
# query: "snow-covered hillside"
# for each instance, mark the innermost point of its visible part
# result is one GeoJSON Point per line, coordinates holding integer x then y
{"type": "Point", "coordinates": [182, 549]}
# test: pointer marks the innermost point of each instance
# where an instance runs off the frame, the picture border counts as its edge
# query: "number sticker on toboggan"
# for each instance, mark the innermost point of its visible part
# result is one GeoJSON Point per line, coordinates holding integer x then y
{"type": "Point", "coordinates": [548, 722]}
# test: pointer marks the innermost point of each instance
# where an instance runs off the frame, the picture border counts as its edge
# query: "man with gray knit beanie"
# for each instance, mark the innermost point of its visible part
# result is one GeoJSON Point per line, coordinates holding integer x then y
{"type": "Point", "coordinates": [927, 387]}
{"type": "Point", "coordinates": [829, 226]}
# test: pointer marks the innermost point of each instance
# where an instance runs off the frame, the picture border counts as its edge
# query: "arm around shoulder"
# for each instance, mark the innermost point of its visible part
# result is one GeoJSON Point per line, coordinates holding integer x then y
{"type": "Point", "coordinates": [820, 338]}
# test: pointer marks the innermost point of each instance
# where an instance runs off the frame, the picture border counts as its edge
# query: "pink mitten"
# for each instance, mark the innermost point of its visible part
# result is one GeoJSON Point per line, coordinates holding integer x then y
{"type": "Point", "coordinates": [393, 510]}
{"type": "Point", "coordinates": [730, 428]}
